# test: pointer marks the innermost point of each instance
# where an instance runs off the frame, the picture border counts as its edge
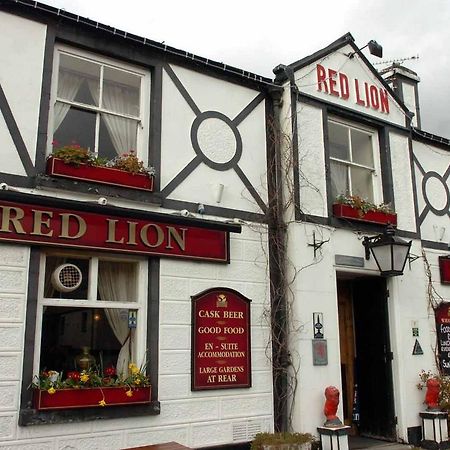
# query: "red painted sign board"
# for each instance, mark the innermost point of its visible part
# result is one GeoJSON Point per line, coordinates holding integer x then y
{"type": "Point", "coordinates": [220, 340]}
{"type": "Point", "coordinates": [45, 225]}
{"type": "Point", "coordinates": [442, 315]}
{"type": "Point", "coordinates": [444, 269]}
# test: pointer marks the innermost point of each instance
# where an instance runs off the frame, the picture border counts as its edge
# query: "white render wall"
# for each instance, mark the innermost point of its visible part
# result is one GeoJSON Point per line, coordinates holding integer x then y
{"type": "Point", "coordinates": [216, 140]}
{"type": "Point", "coordinates": [432, 159]}
{"type": "Point", "coordinates": [402, 182]}
{"type": "Point", "coordinates": [20, 77]}
{"type": "Point", "coordinates": [315, 291]}
{"type": "Point", "coordinates": [312, 176]}
{"type": "Point", "coordinates": [13, 298]}
{"type": "Point", "coordinates": [191, 418]}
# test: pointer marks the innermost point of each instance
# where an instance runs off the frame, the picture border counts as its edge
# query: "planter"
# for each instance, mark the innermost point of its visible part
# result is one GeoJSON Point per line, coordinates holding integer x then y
{"type": "Point", "coordinates": [104, 175]}
{"type": "Point", "coordinates": [89, 397]}
{"type": "Point", "coordinates": [348, 212]}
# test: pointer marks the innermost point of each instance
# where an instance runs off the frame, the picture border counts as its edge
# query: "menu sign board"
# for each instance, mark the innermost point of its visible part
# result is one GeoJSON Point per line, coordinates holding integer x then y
{"type": "Point", "coordinates": [442, 315]}
{"type": "Point", "coordinates": [220, 340]}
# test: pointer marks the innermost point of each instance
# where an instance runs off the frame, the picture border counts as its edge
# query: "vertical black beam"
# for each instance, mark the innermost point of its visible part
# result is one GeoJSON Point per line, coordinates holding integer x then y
{"type": "Point", "coordinates": [153, 323]}
{"type": "Point", "coordinates": [43, 125]}
{"type": "Point", "coordinates": [386, 167]}
{"type": "Point", "coordinates": [277, 257]}
{"type": "Point", "coordinates": [30, 326]}
{"type": "Point", "coordinates": [154, 151]}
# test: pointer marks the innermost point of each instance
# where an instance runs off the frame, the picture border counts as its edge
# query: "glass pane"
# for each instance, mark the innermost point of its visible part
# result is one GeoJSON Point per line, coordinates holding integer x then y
{"type": "Point", "coordinates": [362, 184]}
{"type": "Point", "coordinates": [400, 252]}
{"type": "Point", "coordinates": [338, 138]}
{"type": "Point", "coordinates": [117, 281]}
{"type": "Point", "coordinates": [78, 80]}
{"type": "Point", "coordinates": [117, 135]}
{"type": "Point", "coordinates": [65, 331]}
{"type": "Point", "coordinates": [339, 179]}
{"type": "Point", "coordinates": [55, 281]}
{"type": "Point", "coordinates": [76, 127]}
{"type": "Point", "coordinates": [121, 91]}
{"type": "Point", "coordinates": [382, 256]}
{"type": "Point", "coordinates": [362, 150]}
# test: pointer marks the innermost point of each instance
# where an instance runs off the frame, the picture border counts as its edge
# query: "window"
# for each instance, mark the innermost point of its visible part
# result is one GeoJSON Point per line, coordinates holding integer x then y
{"type": "Point", "coordinates": [353, 164]}
{"type": "Point", "coordinates": [99, 105]}
{"type": "Point", "coordinates": [91, 305]}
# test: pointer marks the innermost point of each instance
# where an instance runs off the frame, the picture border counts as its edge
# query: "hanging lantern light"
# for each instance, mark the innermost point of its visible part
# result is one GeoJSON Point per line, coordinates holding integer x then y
{"type": "Point", "coordinates": [389, 251]}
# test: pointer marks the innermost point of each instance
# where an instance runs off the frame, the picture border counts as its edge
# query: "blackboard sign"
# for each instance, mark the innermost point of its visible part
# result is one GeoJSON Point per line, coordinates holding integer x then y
{"type": "Point", "coordinates": [442, 315]}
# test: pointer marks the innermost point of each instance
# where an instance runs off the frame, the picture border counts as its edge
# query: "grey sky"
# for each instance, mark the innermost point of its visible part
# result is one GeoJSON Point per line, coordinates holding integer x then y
{"type": "Point", "coordinates": [258, 35]}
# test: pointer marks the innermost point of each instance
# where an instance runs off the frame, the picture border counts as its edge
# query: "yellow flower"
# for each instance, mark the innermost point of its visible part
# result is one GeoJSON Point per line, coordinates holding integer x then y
{"type": "Point", "coordinates": [137, 381]}
{"type": "Point", "coordinates": [129, 393]}
{"type": "Point", "coordinates": [133, 368]}
{"type": "Point", "coordinates": [84, 377]}
{"type": "Point", "coordinates": [102, 403]}
{"type": "Point", "coordinates": [51, 390]}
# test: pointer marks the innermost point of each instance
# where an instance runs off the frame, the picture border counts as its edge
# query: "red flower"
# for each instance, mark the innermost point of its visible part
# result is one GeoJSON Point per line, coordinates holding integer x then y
{"type": "Point", "coordinates": [55, 143]}
{"type": "Point", "coordinates": [73, 375]}
{"type": "Point", "coordinates": [110, 371]}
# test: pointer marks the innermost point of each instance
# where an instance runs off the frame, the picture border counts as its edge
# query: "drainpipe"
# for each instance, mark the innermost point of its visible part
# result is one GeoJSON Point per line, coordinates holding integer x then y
{"type": "Point", "coordinates": [277, 264]}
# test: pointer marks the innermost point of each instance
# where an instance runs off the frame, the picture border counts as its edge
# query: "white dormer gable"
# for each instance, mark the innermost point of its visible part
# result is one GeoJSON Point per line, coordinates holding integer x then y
{"type": "Point", "coordinates": [344, 77]}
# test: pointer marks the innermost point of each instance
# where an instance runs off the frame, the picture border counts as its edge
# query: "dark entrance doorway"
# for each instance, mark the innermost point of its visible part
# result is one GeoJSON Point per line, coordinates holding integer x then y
{"type": "Point", "coordinates": [366, 358]}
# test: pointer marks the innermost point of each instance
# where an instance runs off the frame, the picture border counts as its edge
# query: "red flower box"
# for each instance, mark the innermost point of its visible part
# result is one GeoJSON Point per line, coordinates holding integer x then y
{"type": "Point", "coordinates": [105, 175]}
{"type": "Point", "coordinates": [90, 397]}
{"type": "Point", "coordinates": [348, 212]}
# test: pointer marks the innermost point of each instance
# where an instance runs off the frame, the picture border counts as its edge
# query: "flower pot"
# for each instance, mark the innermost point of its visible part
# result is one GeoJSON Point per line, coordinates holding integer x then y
{"type": "Point", "coordinates": [105, 175]}
{"type": "Point", "coordinates": [348, 212]}
{"type": "Point", "coordinates": [89, 397]}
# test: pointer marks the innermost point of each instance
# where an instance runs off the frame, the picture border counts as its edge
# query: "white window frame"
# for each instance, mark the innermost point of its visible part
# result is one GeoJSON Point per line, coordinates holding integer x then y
{"type": "Point", "coordinates": [375, 170]}
{"type": "Point", "coordinates": [142, 138]}
{"type": "Point", "coordinates": [140, 304]}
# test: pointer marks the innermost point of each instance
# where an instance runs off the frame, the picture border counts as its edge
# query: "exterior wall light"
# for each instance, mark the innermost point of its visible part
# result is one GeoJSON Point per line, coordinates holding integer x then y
{"type": "Point", "coordinates": [375, 49]}
{"type": "Point", "coordinates": [389, 251]}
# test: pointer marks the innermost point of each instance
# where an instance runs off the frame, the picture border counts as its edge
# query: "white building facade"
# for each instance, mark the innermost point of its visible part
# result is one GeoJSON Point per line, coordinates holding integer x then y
{"type": "Point", "coordinates": [350, 134]}
{"type": "Point", "coordinates": [235, 212]}
{"type": "Point", "coordinates": [202, 126]}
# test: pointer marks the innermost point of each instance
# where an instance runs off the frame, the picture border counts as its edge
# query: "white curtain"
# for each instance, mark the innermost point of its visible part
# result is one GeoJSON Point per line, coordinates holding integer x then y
{"type": "Point", "coordinates": [339, 176]}
{"type": "Point", "coordinates": [116, 283]}
{"type": "Point", "coordinates": [68, 86]}
{"type": "Point", "coordinates": [122, 100]}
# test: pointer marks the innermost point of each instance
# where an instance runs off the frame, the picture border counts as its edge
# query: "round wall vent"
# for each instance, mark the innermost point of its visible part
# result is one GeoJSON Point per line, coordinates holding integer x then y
{"type": "Point", "coordinates": [66, 278]}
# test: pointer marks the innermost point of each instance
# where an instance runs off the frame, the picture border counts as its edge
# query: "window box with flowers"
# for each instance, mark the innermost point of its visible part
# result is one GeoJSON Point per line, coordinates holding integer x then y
{"type": "Point", "coordinates": [90, 389]}
{"type": "Point", "coordinates": [75, 162]}
{"type": "Point", "coordinates": [356, 208]}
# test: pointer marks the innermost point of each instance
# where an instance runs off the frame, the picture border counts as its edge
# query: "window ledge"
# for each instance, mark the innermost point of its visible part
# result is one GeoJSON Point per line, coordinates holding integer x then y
{"type": "Point", "coordinates": [29, 416]}
{"type": "Point", "coordinates": [45, 181]}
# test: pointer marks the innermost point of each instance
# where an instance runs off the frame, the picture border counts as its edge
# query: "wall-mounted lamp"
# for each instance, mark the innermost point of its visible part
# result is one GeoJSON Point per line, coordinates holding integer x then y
{"type": "Point", "coordinates": [389, 251]}
{"type": "Point", "coordinates": [375, 49]}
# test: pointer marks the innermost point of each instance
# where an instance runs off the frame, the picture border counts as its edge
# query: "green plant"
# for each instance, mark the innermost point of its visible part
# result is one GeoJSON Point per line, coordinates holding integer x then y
{"type": "Point", "coordinates": [51, 380]}
{"type": "Point", "coordinates": [129, 162]}
{"type": "Point", "coordinates": [72, 154]}
{"type": "Point", "coordinates": [75, 155]}
{"type": "Point", "coordinates": [263, 439]}
{"type": "Point", "coordinates": [357, 202]}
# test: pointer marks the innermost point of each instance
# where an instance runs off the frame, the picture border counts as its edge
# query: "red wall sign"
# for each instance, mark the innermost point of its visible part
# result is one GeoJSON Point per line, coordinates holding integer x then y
{"type": "Point", "coordinates": [442, 315]}
{"type": "Point", "coordinates": [35, 224]}
{"type": "Point", "coordinates": [444, 269]}
{"type": "Point", "coordinates": [220, 340]}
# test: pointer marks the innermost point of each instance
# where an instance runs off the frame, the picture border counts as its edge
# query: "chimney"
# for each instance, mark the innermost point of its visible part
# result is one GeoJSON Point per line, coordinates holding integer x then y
{"type": "Point", "coordinates": [404, 82]}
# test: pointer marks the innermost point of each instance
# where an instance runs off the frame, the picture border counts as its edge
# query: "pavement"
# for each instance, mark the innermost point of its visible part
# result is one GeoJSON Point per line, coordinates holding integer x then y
{"type": "Point", "coordinates": [363, 443]}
